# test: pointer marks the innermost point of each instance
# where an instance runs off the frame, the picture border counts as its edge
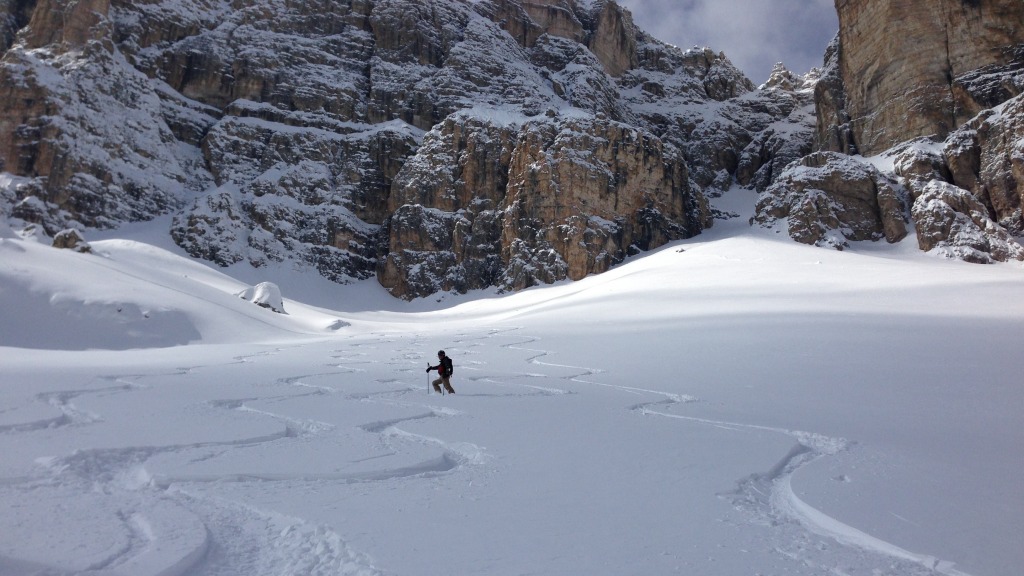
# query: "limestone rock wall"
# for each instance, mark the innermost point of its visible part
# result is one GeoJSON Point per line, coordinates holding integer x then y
{"type": "Point", "coordinates": [521, 203]}
{"type": "Point", "coordinates": [81, 129]}
{"type": "Point", "coordinates": [905, 64]}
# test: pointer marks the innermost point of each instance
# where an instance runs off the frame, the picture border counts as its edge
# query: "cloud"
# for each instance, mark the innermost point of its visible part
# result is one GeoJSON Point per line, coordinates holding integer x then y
{"type": "Point", "coordinates": [754, 34]}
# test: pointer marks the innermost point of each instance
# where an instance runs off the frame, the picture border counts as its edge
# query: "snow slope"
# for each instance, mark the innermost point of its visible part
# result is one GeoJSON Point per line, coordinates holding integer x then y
{"type": "Point", "coordinates": [734, 404]}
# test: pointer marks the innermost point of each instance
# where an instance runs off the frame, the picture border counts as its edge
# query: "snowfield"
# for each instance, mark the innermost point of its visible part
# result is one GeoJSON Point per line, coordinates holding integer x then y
{"type": "Point", "coordinates": [735, 404]}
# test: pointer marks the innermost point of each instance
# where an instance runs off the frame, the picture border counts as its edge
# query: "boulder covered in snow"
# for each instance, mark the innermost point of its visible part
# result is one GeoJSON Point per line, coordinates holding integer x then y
{"type": "Point", "coordinates": [828, 199]}
{"type": "Point", "coordinates": [265, 294]}
{"type": "Point", "coordinates": [71, 239]}
{"type": "Point", "coordinates": [954, 223]}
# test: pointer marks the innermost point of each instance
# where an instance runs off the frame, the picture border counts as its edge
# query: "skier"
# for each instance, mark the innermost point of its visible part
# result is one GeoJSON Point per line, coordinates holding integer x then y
{"type": "Point", "coordinates": [444, 371]}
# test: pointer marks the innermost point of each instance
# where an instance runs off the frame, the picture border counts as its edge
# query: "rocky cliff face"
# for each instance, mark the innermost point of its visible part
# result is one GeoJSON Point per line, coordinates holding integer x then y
{"type": "Point", "coordinates": [454, 145]}
{"type": "Point", "coordinates": [932, 90]}
{"type": "Point", "coordinates": [517, 202]}
{"type": "Point", "coordinates": [439, 145]}
{"type": "Point", "coordinates": [83, 129]}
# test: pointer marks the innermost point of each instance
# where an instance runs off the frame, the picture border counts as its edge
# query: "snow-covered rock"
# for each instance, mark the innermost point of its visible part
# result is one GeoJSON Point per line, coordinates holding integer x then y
{"type": "Point", "coordinates": [519, 201]}
{"type": "Point", "coordinates": [265, 295]}
{"type": "Point", "coordinates": [986, 157]}
{"type": "Point", "coordinates": [830, 199]}
{"type": "Point", "coordinates": [953, 223]}
{"type": "Point", "coordinates": [71, 239]}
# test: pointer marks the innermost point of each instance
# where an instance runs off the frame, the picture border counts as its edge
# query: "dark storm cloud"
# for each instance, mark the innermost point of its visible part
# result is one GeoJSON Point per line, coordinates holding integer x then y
{"type": "Point", "coordinates": [754, 34]}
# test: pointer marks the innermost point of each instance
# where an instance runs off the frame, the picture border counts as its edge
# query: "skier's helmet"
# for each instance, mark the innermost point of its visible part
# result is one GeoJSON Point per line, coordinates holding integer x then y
{"type": "Point", "coordinates": [440, 353]}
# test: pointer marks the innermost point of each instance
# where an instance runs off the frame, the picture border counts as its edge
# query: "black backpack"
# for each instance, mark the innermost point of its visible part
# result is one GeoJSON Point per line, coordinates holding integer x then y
{"type": "Point", "coordinates": [448, 368]}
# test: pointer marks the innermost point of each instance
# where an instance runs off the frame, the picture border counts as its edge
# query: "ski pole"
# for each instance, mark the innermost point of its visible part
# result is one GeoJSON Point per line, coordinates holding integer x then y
{"type": "Point", "coordinates": [428, 378]}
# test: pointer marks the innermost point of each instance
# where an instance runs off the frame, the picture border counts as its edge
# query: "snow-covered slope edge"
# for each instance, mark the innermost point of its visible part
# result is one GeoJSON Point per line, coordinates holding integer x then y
{"type": "Point", "coordinates": [130, 295]}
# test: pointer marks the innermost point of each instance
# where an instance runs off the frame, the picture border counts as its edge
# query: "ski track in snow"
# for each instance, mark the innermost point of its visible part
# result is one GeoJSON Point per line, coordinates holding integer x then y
{"type": "Point", "coordinates": [769, 498]}
{"type": "Point", "coordinates": [215, 536]}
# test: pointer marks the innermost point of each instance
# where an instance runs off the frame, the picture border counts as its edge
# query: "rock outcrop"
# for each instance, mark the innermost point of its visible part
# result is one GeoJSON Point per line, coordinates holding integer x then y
{"type": "Point", "coordinates": [986, 157]}
{"type": "Point", "coordinates": [84, 128]}
{"type": "Point", "coordinates": [71, 239]}
{"type": "Point", "coordinates": [782, 142]}
{"type": "Point", "coordinates": [955, 224]}
{"type": "Point", "coordinates": [830, 199]}
{"type": "Point", "coordinates": [529, 201]}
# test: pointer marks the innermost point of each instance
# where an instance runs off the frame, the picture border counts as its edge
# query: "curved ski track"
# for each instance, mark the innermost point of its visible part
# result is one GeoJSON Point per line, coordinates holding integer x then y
{"type": "Point", "coordinates": [216, 536]}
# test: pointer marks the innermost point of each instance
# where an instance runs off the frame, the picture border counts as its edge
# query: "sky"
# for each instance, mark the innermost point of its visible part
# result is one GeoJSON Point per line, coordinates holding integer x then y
{"type": "Point", "coordinates": [754, 34]}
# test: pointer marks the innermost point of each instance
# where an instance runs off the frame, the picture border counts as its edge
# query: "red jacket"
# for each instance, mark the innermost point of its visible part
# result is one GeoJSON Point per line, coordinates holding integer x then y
{"type": "Point", "coordinates": [444, 368]}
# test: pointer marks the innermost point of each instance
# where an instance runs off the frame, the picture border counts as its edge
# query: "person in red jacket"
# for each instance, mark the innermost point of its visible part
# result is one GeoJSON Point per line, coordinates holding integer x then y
{"type": "Point", "coordinates": [444, 371]}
